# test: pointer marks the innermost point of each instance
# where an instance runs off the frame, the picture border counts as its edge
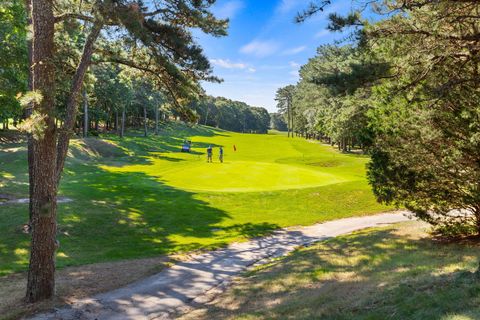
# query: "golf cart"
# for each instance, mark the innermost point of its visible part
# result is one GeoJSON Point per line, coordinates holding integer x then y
{"type": "Point", "coordinates": [187, 144]}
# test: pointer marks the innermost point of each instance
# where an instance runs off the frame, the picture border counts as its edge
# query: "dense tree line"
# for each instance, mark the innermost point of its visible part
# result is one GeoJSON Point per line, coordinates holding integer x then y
{"type": "Point", "coordinates": [231, 115]}
{"type": "Point", "coordinates": [331, 99]}
{"type": "Point", "coordinates": [406, 90]}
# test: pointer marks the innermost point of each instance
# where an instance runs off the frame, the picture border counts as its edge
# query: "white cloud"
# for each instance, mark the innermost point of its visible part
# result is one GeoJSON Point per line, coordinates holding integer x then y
{"type": "Point", "coordinates": [294, 51]}
{"type": "Point", "coordinates": [322, 33]}
{"type": "Point", "coordinates": [286, 6]}
{"type": "Point", "coordinates": [294, 64]}
{"type": "Point", "coordinates": [229, 9]}
{"type": "Point", "coordinates": [260, 48]}
{"type": "Point", "coordinates": [227, 64]}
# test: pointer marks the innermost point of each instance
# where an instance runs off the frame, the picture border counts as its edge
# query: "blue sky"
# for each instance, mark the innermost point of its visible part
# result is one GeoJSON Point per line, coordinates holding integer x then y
{"type": "Point", "coordinates": [265, 48]}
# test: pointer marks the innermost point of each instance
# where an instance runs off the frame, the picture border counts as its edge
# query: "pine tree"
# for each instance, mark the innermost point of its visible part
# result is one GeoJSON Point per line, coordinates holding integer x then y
{"type": "Point", "coordinates": [157, 42]}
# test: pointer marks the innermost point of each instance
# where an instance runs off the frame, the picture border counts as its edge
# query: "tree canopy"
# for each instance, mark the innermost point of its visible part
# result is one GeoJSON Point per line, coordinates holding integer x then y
{"type": "Point", "coordinates": [405, 89]}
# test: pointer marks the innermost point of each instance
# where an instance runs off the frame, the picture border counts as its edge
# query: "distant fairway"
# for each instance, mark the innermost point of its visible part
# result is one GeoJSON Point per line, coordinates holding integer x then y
{"type": "Point", "coordinates": [141, 197]}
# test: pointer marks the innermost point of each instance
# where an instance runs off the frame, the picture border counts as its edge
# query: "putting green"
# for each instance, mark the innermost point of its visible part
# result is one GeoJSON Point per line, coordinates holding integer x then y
{"type": "Point", "coordinates": [246, 176]}
{"type": "Point", "coordinates": [258, 163]}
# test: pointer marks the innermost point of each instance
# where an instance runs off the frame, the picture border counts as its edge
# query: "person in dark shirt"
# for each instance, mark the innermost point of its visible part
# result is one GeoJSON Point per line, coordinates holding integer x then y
{"type": "Point", "coordinates": [209, 153]}
{"type": "Point", "coordinates": [220, 154]}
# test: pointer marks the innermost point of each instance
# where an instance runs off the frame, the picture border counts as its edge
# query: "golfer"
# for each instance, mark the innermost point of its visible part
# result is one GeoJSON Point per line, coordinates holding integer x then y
{"type": "Point", "coordinates": [220, 154]}
{"type": "Point", "coordinates": [209, 154]}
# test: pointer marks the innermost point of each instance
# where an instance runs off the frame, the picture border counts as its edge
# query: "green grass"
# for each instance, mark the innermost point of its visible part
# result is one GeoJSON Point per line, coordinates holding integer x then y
{"type": "Point", "coordinates": [395, 272]}
{"type": "Point", "coordinates": [140, 197]}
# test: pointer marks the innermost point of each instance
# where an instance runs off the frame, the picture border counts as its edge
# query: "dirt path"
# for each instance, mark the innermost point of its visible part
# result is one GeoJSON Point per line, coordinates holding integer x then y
{"type": "Point", "coordinates": [163, 295]}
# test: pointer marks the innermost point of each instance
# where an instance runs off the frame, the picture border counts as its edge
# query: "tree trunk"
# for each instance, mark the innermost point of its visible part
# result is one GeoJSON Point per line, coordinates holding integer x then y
{"type": "Point", "coordinates": [41, 273]}
{"type": "Point", "coordinates": [288, 119]}
{"type": "Point", "coordinates": [145, 129]}
{"type": "Point", "coordinates": [116, 121]}
{"type": "Point", "coordinates": [156, 120]}
{"type": "Point", "coordinates": [71, 108]}
{"type": "Point", "coordinates": [292, 117]}
{"type": "Point", "coordinates": [206, 115]}
{"type": "Point", "coordinates": [85, 114]}
{"type": "Point", "coordinates": [122, 129]}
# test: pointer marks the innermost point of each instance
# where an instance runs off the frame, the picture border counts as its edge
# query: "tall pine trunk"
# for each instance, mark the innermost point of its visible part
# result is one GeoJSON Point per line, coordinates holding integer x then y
{"type": "Point", "coordinates": [122, 129]}
{"type": "Point", "coordinates": [206, 115]}
{"type": "Point", "coordinates": [41, 274]}
{"type": "Point", "coordinates": [116, 121]}
{"type": "Point", "coordinates": [156, 120]}
{"type": "Point", "coordinates": [288, 119]}
{"type": "Point", "coordinates": [291, 117]}
{"type": "Point", "coordinates": [145, 129]}
{"type": "Point", "coordinates": [85, 113]}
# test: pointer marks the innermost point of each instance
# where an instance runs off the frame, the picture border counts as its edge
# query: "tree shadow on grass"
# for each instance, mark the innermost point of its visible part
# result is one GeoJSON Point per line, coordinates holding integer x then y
{"type": "Point", "coordinates": [117, 215]}
{"type": "Point", "coordinates": [13, 177]}
{"type": "Point", "coordinates": [135, 149]}
{"type": "Point", "coordinates": [11, 137]}
{"type": "Point", "coordinates": [130, 215]}
{"type": "Point", "coordinates": [369, 275]}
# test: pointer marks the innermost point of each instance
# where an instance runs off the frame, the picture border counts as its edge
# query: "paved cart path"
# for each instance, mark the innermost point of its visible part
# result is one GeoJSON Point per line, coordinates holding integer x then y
{"type": "Point", "coordinates": [162, 295]}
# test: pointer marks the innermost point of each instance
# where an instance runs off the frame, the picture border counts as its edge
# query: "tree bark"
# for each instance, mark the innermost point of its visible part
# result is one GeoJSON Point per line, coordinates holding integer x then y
{"type": "Point", "coordinates": [145, 121]}
{"type": "Point", "coordinates": [206, 115]}
{"type": "Point", "coordinates": [291, 116]}
{"type": "Point", "coordinates": [71, 112]}
{"type": "Point", "coordinates": [85, 114]}
{"type": "Point", "coordinates": [41, 273]}
{"type": "Point", "coordinates": [116, 121]}
{"type": "Point", "coordinates": [288, 118]}
{"type": "Point", "coordinates": [156, 120]}
{"type": "Point", "coordinates": [122, 129]}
